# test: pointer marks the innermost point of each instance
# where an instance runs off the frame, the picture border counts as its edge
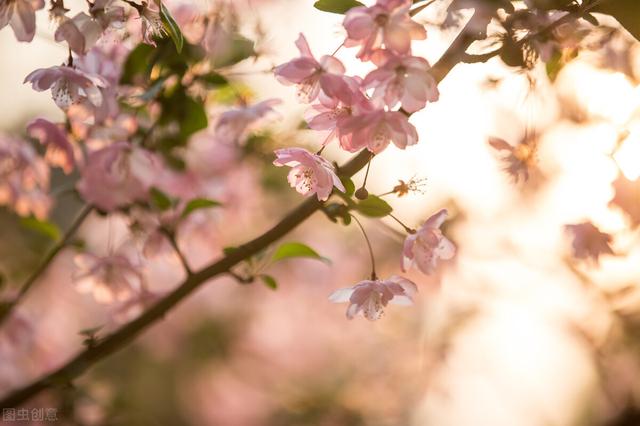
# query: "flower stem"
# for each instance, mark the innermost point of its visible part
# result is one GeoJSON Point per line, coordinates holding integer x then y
{"type": "Point", "coordinates": [406, 228]}
{"type": "Point", "coordinates": [366, 238]}
{"type": "Point", "coordinates": [174, 244]}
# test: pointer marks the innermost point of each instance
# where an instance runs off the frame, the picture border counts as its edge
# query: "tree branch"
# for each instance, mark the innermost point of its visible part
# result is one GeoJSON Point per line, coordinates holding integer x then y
{"type": "Point", "coordinates": [44, 264]}
{"type": "Point", "coordinates": [117, 340]}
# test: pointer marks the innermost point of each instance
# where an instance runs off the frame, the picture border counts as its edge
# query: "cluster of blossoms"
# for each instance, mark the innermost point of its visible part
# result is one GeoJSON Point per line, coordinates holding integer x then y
{"type": "Point", "coordinates": [369, 112]}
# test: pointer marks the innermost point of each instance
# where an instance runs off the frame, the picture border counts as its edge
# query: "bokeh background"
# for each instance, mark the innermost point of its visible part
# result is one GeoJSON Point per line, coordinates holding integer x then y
{"type": "Point", "coordinates": [511, 332]}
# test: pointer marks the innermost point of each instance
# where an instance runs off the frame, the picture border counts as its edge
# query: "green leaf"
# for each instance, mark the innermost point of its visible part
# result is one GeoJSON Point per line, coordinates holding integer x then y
{"type": "Point", "coordinates": [138, 64]}
{"type": "Point", "coordinates": [160, 200]}
{"type": "Point", "coordinates": [212, 78]}
{"type": "Point", "coordinates": [269, 281]}
{"type": "Point", "coordinates": [554, 66]}
{"type": "Point", "coordinates": [374, 206]}
{"type": "Point", "coordinates": [197, 204]}
{"type": "Point", "coordinates": [238, 49]}
{"type": "Point", "coordinates": [43, 227]}
{"type": "Point", "coordinates": [291, 250]}
{"type": "Point", "coordinates": [172, 27]}
{"type": "Point", "coordinates": [627, 12]}
{"type": "Point", "coordinates": [336, 6]}
{"type": "Point", "coordinates": [349, 186]}
{"type": "Point", "coordinates": [194, 117]}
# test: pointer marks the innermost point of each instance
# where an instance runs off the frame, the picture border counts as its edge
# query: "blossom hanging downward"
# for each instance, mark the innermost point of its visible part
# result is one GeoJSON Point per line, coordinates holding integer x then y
{"type": "Point", "coordinates": [60, 151]}
{"type": "Point", "coordinates": [387, 22]}
{"type": "Point", "coordinates": [109, 278]}
{"type": "Point", "coordinates": [21, 15]}
{"type": "Point", "coordinates": [424, 248]}
{"type": "Point", "coordinates": [375, 130]}
{"type": "Point", "coordinates": [371, 296]}
{"type": "Point", "coordinates": [588, 241]}
{"type": "Point", "coordinates": [310, 173]}
{"type": "Point", "coordinates": [68, 85]}
{"type": "Point", "coordinates": [311, 75]}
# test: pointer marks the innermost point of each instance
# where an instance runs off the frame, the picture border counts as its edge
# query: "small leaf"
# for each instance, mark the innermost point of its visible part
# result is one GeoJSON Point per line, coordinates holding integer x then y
{"type": "Point", "coordinates": [160, 200]}
{"type": "Point", "coordinates": [172, 27]}
{"type": "Point", "coordinates": [269, 281]}
{"type": "Point", "coordinates": [212, 78]}
{"type": "Point", "coordinates": [197, 204]}
{"type": "Point", "coordinates": [290, 250]}
{"type": "Point", "coordinates": [349, 186]}
{"type": "Point", "coordinates": [336, 6]}
{"type": "Point", "coordinates": [44, 227]}
{"type": "Point", "coordinates": [195, 117]}
{"type": "Point", "coordinates": [374, 206]}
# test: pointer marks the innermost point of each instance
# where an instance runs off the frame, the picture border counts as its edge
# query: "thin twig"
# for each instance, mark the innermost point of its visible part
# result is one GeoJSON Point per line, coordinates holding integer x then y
{"type": "Point", "coordinates": [44, 264]}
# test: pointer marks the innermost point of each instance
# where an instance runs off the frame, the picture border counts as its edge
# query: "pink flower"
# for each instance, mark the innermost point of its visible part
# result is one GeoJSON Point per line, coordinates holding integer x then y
{"type": "Point", "coordinates": [372, 296]}
{"type": "Point", "coordinates": [518, 159]}
{"type": "Point", "coordinates": [310, 173]}
{"type": "Point", "coordinates": [68, 85]}
{"type": "Point", "coordinates": [424, 248]}
{"type": "Point", "coordinates": [405, 80]}
{"type": "Point", "coordinates": [387, 22]}
{"type": "Point", "coordinates": [110, 278]}
{"type": "Point", "coordinates": [233, 124]}
{"type": "Point", "coordinates": [80, 32]}
{"type": "Point", "coordinates": [60, 151]}
{"type": "Point", "coordinates": [375, 130]}
{"type": "Point", "coordinates": [329, 113]}
{"type": "Point", "coordinates": [21, 15]}
{"type": "Point", "coordinates": [24, 178]}
{"type": "Point", "coordinates": [117, 175]}
{"type": "Point", "coordinates": [588, 241]}
{"type": "Point", "coordinates": [311, 75]}
{"type": "Point", "coordinates": [152, 25]}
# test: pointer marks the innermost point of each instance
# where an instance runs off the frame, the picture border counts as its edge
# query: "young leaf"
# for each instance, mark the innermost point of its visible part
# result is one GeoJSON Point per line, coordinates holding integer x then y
{"type": "Point", "coordinates": [159, 199]}
{"type": "Point", "coordinates": [44, 227]}
{"type": "Point", "coordinates": [212, 78]}
{"type": "Point", "coordinates": [374, 206]}
{"type": "Point", "coordinates": [336, 6]}
{"type": "Point", "coordinates": [290, 250]}
{"type": "Point", "coordinates": [349, 186]}
{"type": "Point", "coordinates": [269, 281]}
{"type": "Point", "coordinates": [197, 204]}
{"type": "Point", "coordinates": [172, 27]}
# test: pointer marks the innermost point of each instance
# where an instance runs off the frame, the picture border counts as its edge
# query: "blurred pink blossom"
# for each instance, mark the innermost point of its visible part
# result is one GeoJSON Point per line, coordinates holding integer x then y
{"type": "Point", "coordinates": [428, 245]}
{"type": "Point", "coordinates": [387, 22]}
{"type": "Point", "coordinates": [375, 130]}
{"type": "Point", "coordinates": [109, 278]}
{"type": "Point", "coordinates": [233, 124]}
{"type": "Point", "coordinates": [60, 151]}
{"type": "Point", "coordinates": [588, 241]}
{"type": "Point", "coordinates": [21, 15]}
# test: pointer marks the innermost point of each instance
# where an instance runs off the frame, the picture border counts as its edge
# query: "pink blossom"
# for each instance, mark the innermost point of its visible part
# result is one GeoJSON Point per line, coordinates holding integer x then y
{"type": "Point", "coordinates": [375, 130]}
{"type": "Point", "coordinates": [371, 296]}
{"type": "Point", "coordinates": [68, 85]}
{"type": "Point", "coordinates": [152, 25]}
{"type": "Point", "coordinates": [405, 80]}
{"type": "Point", "coordinates": [234, 123]}
{"type": "Point", "coordinates": [80, 32]}
{"type": "Point", "coordinates": [109, 278]}
{"type": "Point", "coordinates": [21, 15]}
{"type": "Point", "coordinates": [588, 241]}
{"type": "Point", "coordinates": [329, 113]}
{"type": "Point", "coordinates": [387, 22]}
{"type": "Point", "coordinates": [60, 151]}
{"type": "Point", "coordinates": [518, 159]}
{"type": "Point", "coordinates": [312, 76]}
{"type": "Point", "coordinates": [117, 175]}
{"type": "Point", "coordinates": [24, 178]}
{"type": "Point", "coordinates": [310, 173]}
{"type": "Point", "coordinates": [424, 248]}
